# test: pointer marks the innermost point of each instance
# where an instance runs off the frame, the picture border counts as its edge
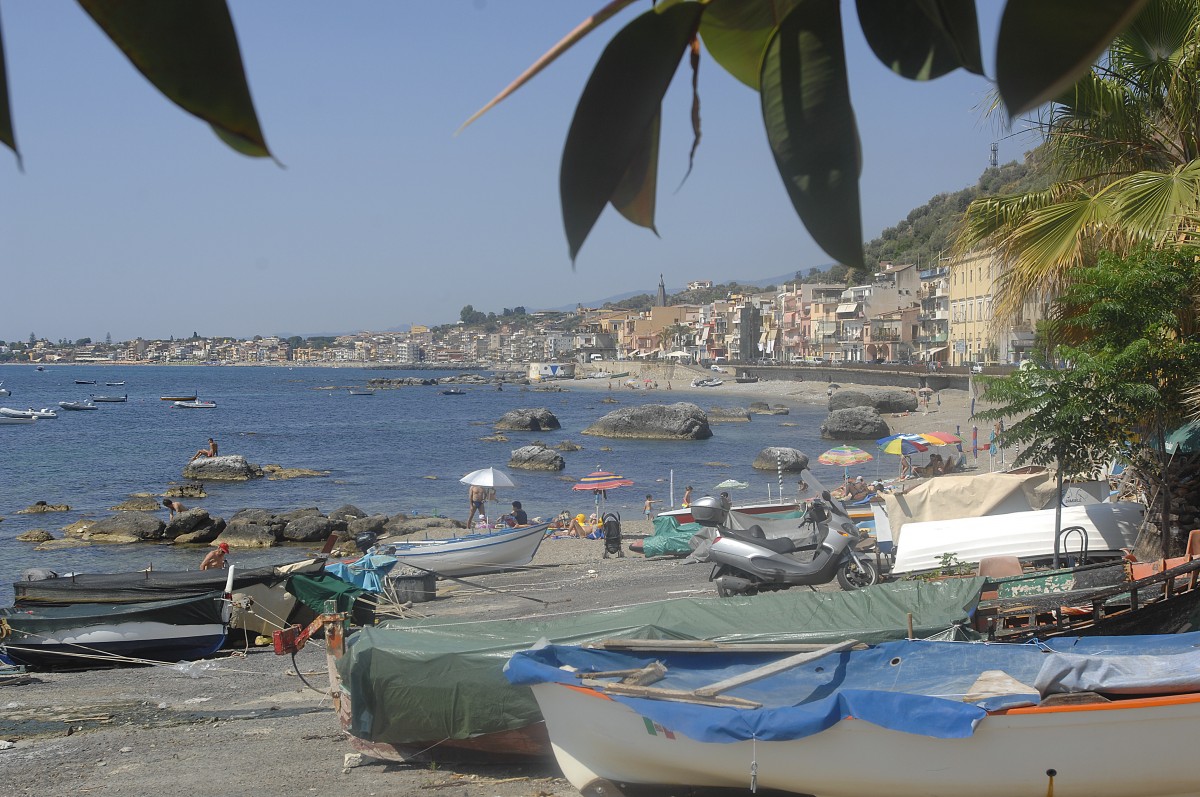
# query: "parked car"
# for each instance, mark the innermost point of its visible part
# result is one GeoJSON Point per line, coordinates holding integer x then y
{"type": "Point", "coordinates": [717, 368]}
{"type": "Point", "coordinates": [977, 368]}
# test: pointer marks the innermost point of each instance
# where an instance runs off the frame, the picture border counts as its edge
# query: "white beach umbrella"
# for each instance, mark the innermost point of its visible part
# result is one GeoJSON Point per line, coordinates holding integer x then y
{"type": "Point", "coordinates": [488, 477]}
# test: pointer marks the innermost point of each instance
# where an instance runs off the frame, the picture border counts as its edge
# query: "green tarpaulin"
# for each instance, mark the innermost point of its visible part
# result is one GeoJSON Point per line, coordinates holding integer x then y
{"type": "Point", "coordinates": [670, 537]}
{"type": "Point", "coordinates": [312, 591]}
{"type": "Point", "coordinates": [413, 681]}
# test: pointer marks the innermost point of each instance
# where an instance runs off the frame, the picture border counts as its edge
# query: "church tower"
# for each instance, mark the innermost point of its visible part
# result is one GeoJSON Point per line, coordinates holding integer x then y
{"type": "Point", "coordinates": [662, 292]}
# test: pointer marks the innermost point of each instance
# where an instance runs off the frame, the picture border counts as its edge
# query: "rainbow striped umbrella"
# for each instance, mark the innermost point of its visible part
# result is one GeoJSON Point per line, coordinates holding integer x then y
{"type": "Point", "coordinates": [900, 444]}
{"type": "Point", "coordinates": [940, 438]}
{"type": "Point", "coordinates": [845, 456]}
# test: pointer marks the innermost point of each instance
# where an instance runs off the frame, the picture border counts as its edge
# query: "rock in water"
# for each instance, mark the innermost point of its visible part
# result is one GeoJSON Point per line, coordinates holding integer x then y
{"type": "Point", "coordinates": [232, 467]}
{"type": "Point", "coordinates": [539, 419]}
{"type": "Point", "coordinates": [792, 460]}
{"type": "Point", "coordinates": [682, 421]}
{"type": "Point", "coordinates": [536, 458]}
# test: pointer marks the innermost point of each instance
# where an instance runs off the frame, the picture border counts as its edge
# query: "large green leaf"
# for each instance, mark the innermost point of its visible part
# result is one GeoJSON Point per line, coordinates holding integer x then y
{"type": "Point", "coordinates": [189, 51]}
{"type": "Point", "coordinates": [736, 32]}
{"type": "Point", "coordinates": [635, 196]}
{"type": "Point", "coordinates": [7, 137]}
{"type": "Point", "coordinates": [810, 126]}
{"type": "Point", "coordinates": [619, 105]}
{"type": "Point", "coordinates": [1044, 47]}
{"type": "Point", "coordinates": [922, 39]}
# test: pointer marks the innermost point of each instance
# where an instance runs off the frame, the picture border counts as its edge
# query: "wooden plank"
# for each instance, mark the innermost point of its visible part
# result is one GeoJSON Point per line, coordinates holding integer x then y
{"type": "Point", "coordinates": [706, 646]}
{"type": "Point", "coordinates": [774, 667]}
{"type": "Point", "coordinates": [672, 695]}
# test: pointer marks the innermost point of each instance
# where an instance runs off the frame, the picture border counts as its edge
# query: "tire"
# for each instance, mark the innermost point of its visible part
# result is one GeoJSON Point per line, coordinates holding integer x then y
{"type": "Point", "coordinates": [851, 575]}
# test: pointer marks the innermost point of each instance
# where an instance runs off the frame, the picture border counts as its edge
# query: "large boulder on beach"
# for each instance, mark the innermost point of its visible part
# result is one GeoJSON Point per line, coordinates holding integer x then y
{"type": "Point", "coordinates": [253, 515]}
{"type": "Point", "coordinates": [229, 468]}
{"type": "Point", "coordinates": [538, 419]}
{"type": "Point", "coordinates": [681, 421]}
{"type": "Point", "coordinates": [309, 528]}
{"type": "Point", "coordinates": [854, 423]}
{"type": "Point", "coordinates": [346, 512]}
{"type": "Point", "coordinates": [373, 524]}
{"type": "Point", "coordinates": [240, 534]}
{"type": "Point", "coordinates": [403, 526]}
{"type": "Point", "coordinates": [882, 400]}
{"type": "Point", "coordinates": [791, 460]}
{"type": "Point", "coordinates": [126, 527]}
{"type": "Point", "coordinates": [536, 458]}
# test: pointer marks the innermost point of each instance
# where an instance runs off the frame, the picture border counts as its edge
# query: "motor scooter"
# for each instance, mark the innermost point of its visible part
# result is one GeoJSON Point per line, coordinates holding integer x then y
{"type": "Point", "coordinates": [747, 562]}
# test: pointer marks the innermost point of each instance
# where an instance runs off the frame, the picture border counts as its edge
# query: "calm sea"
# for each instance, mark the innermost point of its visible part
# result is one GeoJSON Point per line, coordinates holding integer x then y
{"type": "Point", "coordinates": [399, 450]}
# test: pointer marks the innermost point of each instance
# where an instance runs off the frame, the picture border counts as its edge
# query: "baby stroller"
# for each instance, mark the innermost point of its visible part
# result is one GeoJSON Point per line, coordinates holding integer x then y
{"type": "Point", "coordinates": [612, 535]}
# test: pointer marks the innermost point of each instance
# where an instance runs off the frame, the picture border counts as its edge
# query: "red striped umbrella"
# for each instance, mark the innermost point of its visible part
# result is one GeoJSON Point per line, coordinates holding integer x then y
{"type": "Point", "coordinates": [601, 481]}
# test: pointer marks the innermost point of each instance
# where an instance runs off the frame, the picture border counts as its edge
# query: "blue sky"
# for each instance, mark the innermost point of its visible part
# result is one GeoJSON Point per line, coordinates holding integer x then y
{"type": "Point", "coordinates": [131, 218]}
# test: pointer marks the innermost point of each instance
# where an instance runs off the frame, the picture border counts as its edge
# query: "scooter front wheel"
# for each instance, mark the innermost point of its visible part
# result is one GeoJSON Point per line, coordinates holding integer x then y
{"type": "Point", "coordinates": [852, 575]}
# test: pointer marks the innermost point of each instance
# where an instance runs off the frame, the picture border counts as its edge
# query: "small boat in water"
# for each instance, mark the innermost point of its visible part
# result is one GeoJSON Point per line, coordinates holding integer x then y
{"type": "Point", "coordinates": [113, 399]}
{"type": "Point", "coordinates": [362, 391]}
{"type": "Point", "coordinates": [10, 420]}
{"type": "Point", "coordinates": [115, 384]}
{"type": "Point", "coordinates": [85, 381]}
{"type": "Point", "coordinates": [454, 391]}
{"type": "Point", "coordinates": [77, 405]}
{"type": "Point", "coordinates": [485, 552]}
{"type": "Point", "coordinates": [180, 397]}
{"type": "Point", "coordinates": [195, 404]}
{"type": "Point", "coordinates": [44, 412]}
{"type": "Point", "coordinates": [4, 391]}
{"type": "Point", "coordinates": [956, 718]}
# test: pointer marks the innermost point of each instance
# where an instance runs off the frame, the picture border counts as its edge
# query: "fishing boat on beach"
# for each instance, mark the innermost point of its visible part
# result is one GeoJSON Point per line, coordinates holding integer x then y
{"type": "Point", "coordinates": [423, 689]}
{"type": "Point", "coordinates": [483, 552]}
{"type": "Point", "coordinates": [912, 718]}
{"type": "Point", "coordinates": [77, 633]}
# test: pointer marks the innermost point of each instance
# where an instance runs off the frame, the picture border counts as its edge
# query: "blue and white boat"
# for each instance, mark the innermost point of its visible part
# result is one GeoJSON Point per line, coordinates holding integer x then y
{"type": "Point", "coordinates": [1080, 717]}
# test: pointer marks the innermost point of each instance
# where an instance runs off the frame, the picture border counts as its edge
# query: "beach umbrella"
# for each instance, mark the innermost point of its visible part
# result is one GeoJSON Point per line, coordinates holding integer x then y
{"type": "Point", "coordinates": [901, 444]}
{"type": "Point", "coordinates": [600, 482]}
{"type": "Point", "coordinates": [732, 484]}
{"type": "Point", "coordinates": [488, 477]}
{"type": "Point", "coordinates": [940, 438]}
{"type": "Point", "coordinates": [845, 456]}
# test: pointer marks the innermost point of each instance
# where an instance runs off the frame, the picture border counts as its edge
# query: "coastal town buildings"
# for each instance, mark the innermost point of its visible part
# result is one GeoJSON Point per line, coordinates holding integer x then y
{"type": "Point", "coordinates": [940, 314]}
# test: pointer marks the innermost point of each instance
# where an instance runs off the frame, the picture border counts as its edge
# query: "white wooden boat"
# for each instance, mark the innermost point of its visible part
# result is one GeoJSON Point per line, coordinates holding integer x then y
{"type": "Point", "coordinates": [1092, 717]}
{"type": "Point", "coordinates": [115, 384]}
{"type": "Point", "coordinates": [1026, 535]}
{"type": "Point", "coordinates": [112, 399]}
{"type": "Point", "coordinates": [484, 552]}
{"type": "Point", "coordinates": [196, 405]}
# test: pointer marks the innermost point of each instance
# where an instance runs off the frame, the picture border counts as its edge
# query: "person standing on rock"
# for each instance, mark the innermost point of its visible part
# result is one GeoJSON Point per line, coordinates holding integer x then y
{"type": "Point", "coordinates": [211, 451]}
{"type": "Point", "coordinates": [476, 495]}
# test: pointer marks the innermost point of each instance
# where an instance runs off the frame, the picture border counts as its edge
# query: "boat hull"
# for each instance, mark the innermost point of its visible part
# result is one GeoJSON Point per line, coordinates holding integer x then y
{"type": "Point", "coordinates": [171, 630]}
{"type": "Point", "coordinates": [597, 739]}
{"type": "Point", "coordinates": [476, 553]}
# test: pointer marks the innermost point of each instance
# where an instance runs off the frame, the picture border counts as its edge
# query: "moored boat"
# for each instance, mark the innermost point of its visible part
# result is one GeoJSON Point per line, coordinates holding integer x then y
{"type": "Point", "coordinates": [77, 405]}
{"type": "Point", "coordinates": [85, 381]}
{"type": "Point", "coordinates": [111, 399]}
{"type": "Point", "coordinates": [361, 391]}
{"type": "Point", "coordinates": [180, 397]}
{"type": "Point", "coordinates": [115, 384]}
{"type": "Point", "coordinates": [10, 420]}
{"type": "Point", "coordinates": [908, 718]}
{"type": "Point", "coordinates": [454, 391]}
{"type": "Point", "coordinates": [196, 404]}
{"type": "Point", "coordinates": [44, 412]}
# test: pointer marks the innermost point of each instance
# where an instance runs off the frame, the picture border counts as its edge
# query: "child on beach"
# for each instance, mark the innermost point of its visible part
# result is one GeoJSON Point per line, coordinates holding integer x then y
{"type": "Point", "coordinates": [687, 496]}
{"type": "Point", "coordinates": [650, 502]}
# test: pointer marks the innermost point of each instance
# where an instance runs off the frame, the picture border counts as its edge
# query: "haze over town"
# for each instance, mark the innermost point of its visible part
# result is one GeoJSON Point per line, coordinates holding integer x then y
{"type": "Point", "coordinates": [377, 216]}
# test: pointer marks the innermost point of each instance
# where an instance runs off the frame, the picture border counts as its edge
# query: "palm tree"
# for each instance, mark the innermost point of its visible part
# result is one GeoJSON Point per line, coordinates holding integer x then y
{"type": "Point", "coordinates": [1124, 143]}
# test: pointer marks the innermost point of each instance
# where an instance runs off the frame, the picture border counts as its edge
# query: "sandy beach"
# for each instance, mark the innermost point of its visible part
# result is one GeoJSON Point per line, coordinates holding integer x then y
{"type": "Point", "coordinates": [245, 722]}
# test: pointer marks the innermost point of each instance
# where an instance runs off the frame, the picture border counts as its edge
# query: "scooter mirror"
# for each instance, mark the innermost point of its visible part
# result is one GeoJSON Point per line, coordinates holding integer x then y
{"type": "Point", "coordinates": [825, 494]}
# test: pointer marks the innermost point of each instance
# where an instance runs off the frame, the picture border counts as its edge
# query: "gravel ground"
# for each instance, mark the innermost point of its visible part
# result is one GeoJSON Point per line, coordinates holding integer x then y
{"type": "Point", "coordinates": [243, 722]}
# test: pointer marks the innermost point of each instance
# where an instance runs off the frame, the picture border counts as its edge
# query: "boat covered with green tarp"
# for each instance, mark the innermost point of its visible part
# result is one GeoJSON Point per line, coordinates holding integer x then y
{"type": "Point", "coordinates": [415, 683]}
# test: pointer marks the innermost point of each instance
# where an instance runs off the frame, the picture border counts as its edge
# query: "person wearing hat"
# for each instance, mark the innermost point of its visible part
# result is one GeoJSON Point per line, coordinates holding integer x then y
{"type": "Point", "coordinates": [579, 526]}
{"type": "Point", "coordinates": [216, 558]}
